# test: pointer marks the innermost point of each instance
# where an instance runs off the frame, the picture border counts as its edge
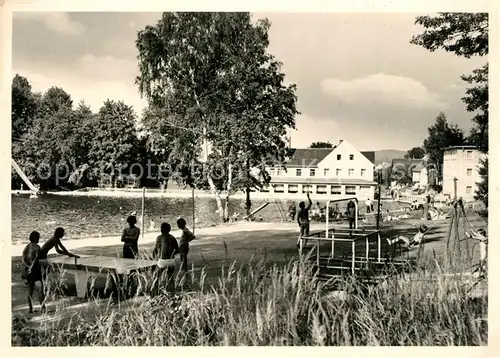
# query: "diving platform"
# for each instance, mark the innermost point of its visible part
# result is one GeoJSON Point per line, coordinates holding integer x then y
{"type": "Point", "coordinates": [34, 190]}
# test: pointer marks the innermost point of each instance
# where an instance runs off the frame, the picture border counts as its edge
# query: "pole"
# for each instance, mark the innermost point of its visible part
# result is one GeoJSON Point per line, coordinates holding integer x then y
{"type": "Point", "coordinates": [378, 201]}
{"type": "Point", "coordinates": [142, 210]}
{"type": "Point", "coordinates": [455, 188]}
{"type": "Point", "coordinates": [192, 195]}
{"type": "Point", "coordinates": [456, 216]}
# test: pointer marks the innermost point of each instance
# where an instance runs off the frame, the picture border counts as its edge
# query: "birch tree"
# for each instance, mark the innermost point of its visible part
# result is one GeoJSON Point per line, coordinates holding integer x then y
{"type": "Point", "coordinates": [211, 75]}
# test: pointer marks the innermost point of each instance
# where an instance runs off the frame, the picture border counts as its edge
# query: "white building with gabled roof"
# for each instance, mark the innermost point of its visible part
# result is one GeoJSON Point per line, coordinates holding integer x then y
{"type": "Point", "coordinates": [327, 173]}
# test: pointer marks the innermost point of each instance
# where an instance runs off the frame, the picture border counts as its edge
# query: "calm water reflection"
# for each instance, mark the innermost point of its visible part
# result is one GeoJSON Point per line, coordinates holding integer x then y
{"type": "Point", "coordinates": [94, 216]}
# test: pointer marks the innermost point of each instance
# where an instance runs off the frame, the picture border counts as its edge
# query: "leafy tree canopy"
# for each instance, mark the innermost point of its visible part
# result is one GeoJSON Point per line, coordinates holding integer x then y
{"type": "Point", "coordinates": [115, 145]}
{"type": "Point", "coordinates": [321, 145]}
{"type": "Point", "coordinates": [211, 77]}
{"type": "Point", "coordinates": [415, 153]}
{"type": "Point", "coordinates": [25, 106]}
{"type": "Point", "coordinates": [441, 135]}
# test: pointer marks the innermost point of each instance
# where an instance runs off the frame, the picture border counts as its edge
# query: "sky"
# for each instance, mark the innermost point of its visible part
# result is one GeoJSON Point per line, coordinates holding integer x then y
{"type": "Point", "coordinates": [358, 78]}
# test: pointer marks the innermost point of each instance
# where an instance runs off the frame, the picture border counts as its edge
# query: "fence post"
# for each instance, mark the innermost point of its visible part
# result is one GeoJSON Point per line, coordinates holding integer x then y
{"type": "Point", "coordinates": [142, 210]}
{"type": "Point", "coordinates": [353, 256]}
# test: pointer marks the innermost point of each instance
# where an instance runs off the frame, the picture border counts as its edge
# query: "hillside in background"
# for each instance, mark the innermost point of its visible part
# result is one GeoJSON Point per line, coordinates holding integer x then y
{"type": "Point", "coordinates": [387, 155]}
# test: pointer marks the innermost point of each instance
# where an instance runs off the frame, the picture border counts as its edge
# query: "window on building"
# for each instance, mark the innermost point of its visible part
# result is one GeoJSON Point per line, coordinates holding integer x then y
{"type": "Point", "coordinates": [336, 190]}
{"type": "Point", "coordinates": [468, 190]}
{"type": "Point", "coordinates": [278, 172]}
{"type": "Point", "coordinates": [292, 188]}
{"type": "Point", "coordinates": [298, 172]}
{"type": "Point", "coordinates": [320, 189]}
{"type": "Point", "coordinates": [279, 188]}
{"type": "Point", "coordinates": [312, 172]}
{"type": "Point", "coordinates": [326, 171]}
{"type": "Point", "coordinates": [265, 189]}
{"type": "Point", "coordinates": [469, 172]}
{"type": "Point", "coordinates": [351, 156]}
{"type": "Point", "coordinates": [351, 172]}
{"type": "Point", "coordinates": [363, 173]}
{"type": "Point", "coordinates": [350, 190]}
{"type": "Point", "coordinates": [339, 156]}
{"type": "Point", "coordinates": [338, 172]}
{"type": "Point", "coordinates": [306, 188]}
{"type": "Point", "coordinates": [271, 172]}
{"type": "Point", "coordinates": [469, 154]}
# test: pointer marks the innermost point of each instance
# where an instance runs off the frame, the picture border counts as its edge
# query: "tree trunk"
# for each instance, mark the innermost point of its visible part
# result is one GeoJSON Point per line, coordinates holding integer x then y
{"type": "Point", "coordinates": [228, 191]}
{"type": "Point", "coordinates": [248, 203]}
{"type": "Point", "coordinates": [226, 209]}
{"type": "Point", "coordinates": [218, 200]}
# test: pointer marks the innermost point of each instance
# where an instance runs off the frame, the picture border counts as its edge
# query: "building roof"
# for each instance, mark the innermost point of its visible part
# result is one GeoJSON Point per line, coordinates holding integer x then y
{"type": "Point", "coordinates": [338, 181]}
{"type": "Point", "coordinates": [311, 157]}
{"type": "Point", "coordinates": [461, 147]}
{"type": "Point", "coordinates": [370, 155]}
{"type": "Point", "coordinates": [418, 168]}
{"type": "Point", "coordinates": [308, 157]}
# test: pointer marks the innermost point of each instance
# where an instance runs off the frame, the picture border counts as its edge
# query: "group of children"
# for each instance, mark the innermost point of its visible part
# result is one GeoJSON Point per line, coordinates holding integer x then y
{"type": "Point", "coordinates": [165, 250]}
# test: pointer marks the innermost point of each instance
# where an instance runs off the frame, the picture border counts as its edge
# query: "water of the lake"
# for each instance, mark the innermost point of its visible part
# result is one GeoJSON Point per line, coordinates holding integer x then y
{"type": "Point", "coordinates": [105, 216]}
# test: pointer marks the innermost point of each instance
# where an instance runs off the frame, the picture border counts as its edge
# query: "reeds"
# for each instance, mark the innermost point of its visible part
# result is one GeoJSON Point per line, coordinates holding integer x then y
{"type": "Point", "coordinates": [257, 303]}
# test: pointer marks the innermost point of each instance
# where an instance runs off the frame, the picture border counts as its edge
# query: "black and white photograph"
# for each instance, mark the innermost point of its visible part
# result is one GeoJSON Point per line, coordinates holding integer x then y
{"type": "Point", "coordinates": [221, 178]}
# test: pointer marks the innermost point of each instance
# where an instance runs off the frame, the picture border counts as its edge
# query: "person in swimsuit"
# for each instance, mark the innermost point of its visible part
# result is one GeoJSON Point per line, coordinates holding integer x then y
{"type": "Point", "coordinates": [186, 238]}
{"type": "Point", "coordinates": [55, 243]}
{"type": "Point", "coordinates": [165, 250]}
{"type": "Point", "coordinates": [130, 237]}
{"type": "Point", "coordinates": [303, 219]}
{"type": "Point", "coordinates": [33, 271]}
{"type": "Point", "coordinates": [415, 240]}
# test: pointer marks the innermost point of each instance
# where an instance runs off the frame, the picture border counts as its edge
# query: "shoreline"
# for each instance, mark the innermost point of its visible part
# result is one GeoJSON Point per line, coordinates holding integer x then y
{"type": "Point", "coordinates": [186, 193]}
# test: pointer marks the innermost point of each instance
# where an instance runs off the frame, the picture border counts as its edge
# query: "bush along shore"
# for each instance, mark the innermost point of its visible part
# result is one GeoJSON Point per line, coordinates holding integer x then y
{"type": "Point", "coordinates": [259, 304]}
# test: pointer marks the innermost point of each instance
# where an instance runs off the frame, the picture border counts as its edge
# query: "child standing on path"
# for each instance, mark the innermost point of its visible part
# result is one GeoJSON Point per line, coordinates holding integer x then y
{"type": "Point", "coordinates": [186, 237]}
{"type": "Point", "coordinates": [130, 238]}
{"type": "Point", "coordinates": [303, 220]}
{"type": "Point", "coordinates": [351, 214]}
{"type": "Point", "coordinates": [33, 270]}
{"type": "Point", "coordinates": [165, 250]}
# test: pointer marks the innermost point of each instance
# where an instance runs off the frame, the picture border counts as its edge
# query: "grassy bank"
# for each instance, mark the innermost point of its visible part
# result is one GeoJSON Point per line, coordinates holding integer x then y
{"type": "Point", "coordinates": [258, 304]}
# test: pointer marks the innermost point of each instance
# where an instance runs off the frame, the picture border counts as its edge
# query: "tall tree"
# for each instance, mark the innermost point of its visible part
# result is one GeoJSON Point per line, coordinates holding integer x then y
{"type": "Point", "coordinates": [466, 35]}
{"type": "Point", "coordinates": [321, 145]}
{"type": "Point", "coordinates": [49, 149]}
{"type": "Point", "coordinates": [24, 110]}
{"type": "Point", "coordinates": [159, 140]}
{"type": "Point", "coordinates": [25, 106]}
{"type": "Point", "coordinates": [86, 128]}
{"type": "Point", "coordinates": [213, 77]}
{"type": "Point", "coordinates": [115, 144]}
{"type": "Point", "coordinates": [415, 153]}
{"type": "Point", "coordinates": [441, 135]}
{"type": "Point", "coordinates": [54, 99]}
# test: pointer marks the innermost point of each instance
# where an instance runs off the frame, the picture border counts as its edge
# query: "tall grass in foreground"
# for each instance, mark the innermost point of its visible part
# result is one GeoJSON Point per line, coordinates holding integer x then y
{"type": "Point", "coordinates": [280, 305]}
